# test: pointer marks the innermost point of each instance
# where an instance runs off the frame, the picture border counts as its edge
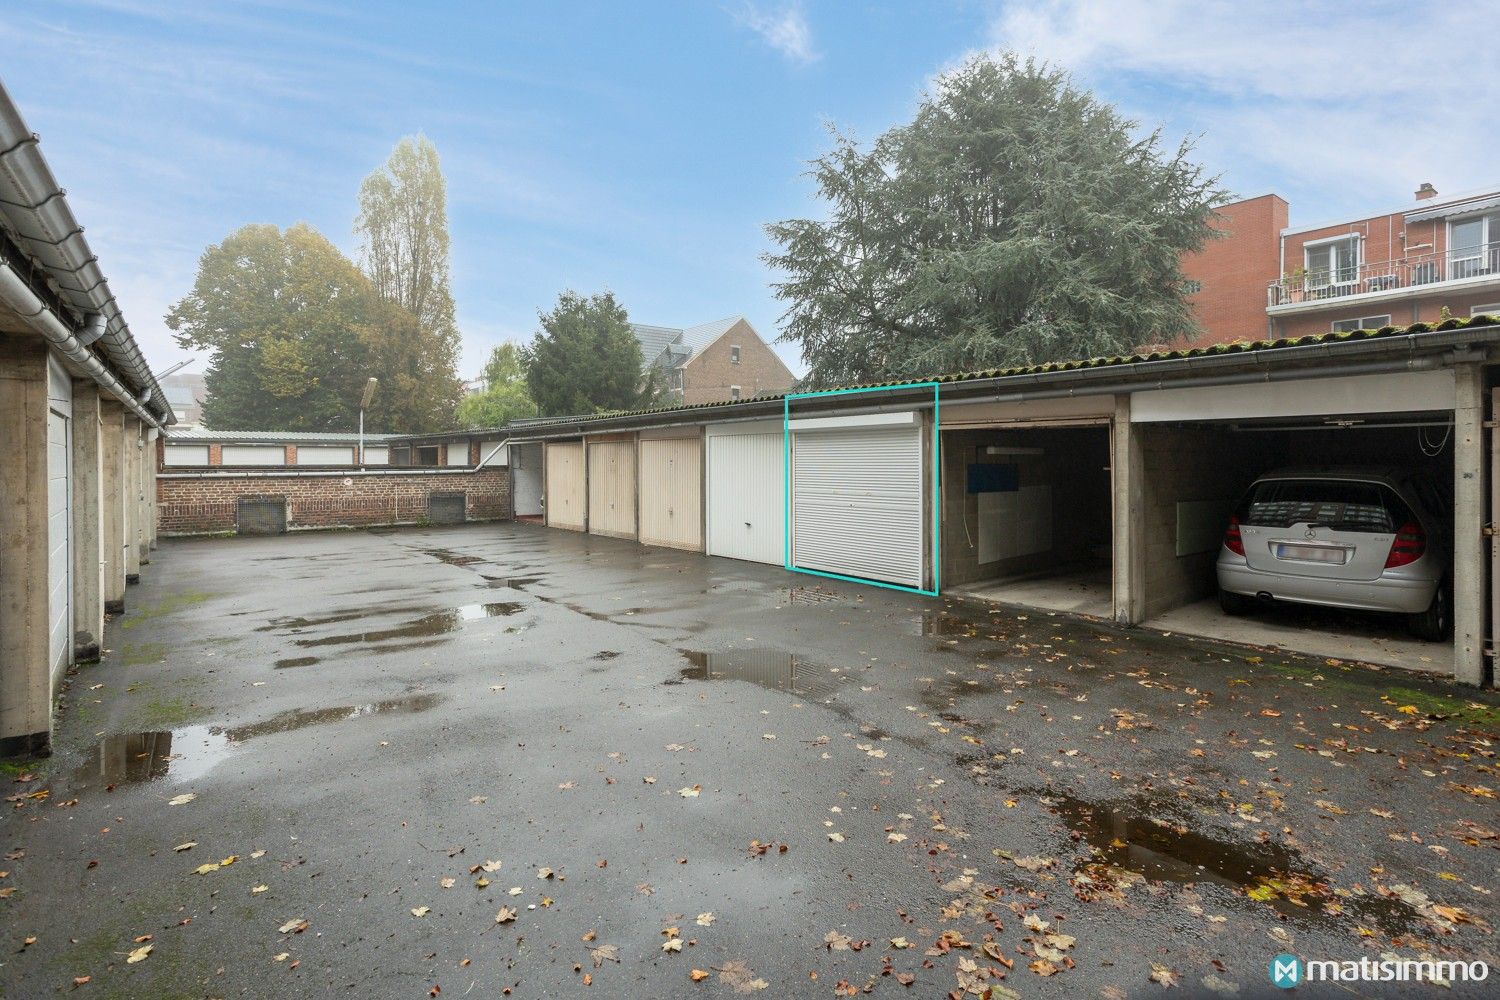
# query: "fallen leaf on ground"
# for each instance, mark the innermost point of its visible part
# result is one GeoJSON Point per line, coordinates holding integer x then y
{"type": "Point", "coordinates": [505, 916]}
{"type": "Point", "coordinates": [139, 954]}
{"type": "Point", "coordinates": [205, 869]}
{"type": "Point", "coordinates": [705, 920]}
{"type": "Point", "coordinates": [186, 847]}
{"type": "Point", "coordinates": [294, 926]}
{"type": "Point", "coordinates": [448, 883]}
{"type": "Point", "coordinates": [182, 800]}
{"type": "Point", "coordinates": [698, 975]}
{"type": "Point", "coordinates": [259, 889]}
{"type": "Point", "coordinates": [421, 911]}
{"type": "Point", "coordinates": [675, 944]}
{"type": "Point", "coordinates": [1162, 974]}
{"type": "Point", "coordinates": [690, 793]}
{"type": "Point", "coordinates": [604, 953]}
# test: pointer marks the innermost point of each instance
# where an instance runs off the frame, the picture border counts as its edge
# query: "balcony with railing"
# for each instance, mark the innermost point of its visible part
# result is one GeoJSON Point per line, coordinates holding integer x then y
{"type": "Point", "coordinates": [1417, 271]}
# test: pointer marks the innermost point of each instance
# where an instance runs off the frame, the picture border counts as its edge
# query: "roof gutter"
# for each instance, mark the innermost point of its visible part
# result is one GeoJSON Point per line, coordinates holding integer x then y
{"type": "Point", "coordinates": [45, 227]}
{"type": "Point", "coordinates": [39, 316]}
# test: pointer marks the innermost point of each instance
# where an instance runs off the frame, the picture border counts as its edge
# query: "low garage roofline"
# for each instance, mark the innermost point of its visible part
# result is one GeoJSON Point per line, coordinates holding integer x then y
{"type": "Point", "coordinates": [1368, 352]}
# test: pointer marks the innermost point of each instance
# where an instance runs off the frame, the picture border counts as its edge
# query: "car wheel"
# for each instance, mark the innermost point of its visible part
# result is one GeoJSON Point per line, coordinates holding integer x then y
{"type": "Point", "coordinates": [1232, 603]}
{"type": "Point", "coordinates": [1436, 623]}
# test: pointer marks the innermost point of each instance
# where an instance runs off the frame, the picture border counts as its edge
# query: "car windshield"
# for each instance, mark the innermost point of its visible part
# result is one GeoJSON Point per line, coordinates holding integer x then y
{"type": "Point", "coordinates": [1343, 506]}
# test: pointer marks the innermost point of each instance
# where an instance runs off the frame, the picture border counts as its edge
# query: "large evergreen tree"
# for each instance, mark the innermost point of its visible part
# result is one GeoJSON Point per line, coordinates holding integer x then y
{"type": "Point", "coordinates": [585, 359]}
{"type": "Point", "coordinates": [1015, 220]}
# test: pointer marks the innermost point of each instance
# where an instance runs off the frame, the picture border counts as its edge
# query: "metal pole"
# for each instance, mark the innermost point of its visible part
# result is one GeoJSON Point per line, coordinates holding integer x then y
{"type": "Point", "coordinates": [361, 439]}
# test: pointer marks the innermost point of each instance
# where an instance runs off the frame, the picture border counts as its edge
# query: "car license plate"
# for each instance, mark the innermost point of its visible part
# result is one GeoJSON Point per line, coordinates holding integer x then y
{"type": "Point", "coordinates": [1312, 553]}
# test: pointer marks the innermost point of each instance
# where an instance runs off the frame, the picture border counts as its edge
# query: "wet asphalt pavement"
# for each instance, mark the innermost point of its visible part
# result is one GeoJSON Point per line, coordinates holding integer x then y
{"type": "Point", "coordinates": [669, 775]}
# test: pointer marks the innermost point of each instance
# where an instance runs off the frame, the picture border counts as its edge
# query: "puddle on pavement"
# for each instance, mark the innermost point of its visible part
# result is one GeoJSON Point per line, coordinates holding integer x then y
{"type": "Point", "coordinates": [948, 625]}
{"type": "Point", "coordinates": [1136, 839]}
{"type": "Point", "coordinates": [295, 661]}
{"type": "Point", "coordinates": [184, 754]}
{"type": "Point", "coordinates": [511, 582]}
{"type": "Point", "coordinates": [301, 718]}
{"type": "Point", "coordinates": [451, 558]}
{"type": "Point", "coordinates": [131, 758]}
{"type": "Point", "coordinates": [768, 668]}
{"type": "Point", "coordinates": [812, 595]}
{"type": "Point", "coordinates": [437, 623]}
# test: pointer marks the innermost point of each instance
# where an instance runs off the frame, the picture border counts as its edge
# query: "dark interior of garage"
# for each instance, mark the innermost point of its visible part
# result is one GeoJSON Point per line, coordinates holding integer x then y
{"type": "Point", "coordinates": [1196, 474]}
{"type": "Point", "coordinates": [1027, 515]}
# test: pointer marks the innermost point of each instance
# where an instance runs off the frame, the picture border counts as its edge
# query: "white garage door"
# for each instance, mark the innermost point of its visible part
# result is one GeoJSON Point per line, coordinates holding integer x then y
{"type": "Point", "coordinates": [857, 501]}
{"type": "Point", "coordinates": [59, 507]}
{"type": "Point", "coordinates": [746, 503]}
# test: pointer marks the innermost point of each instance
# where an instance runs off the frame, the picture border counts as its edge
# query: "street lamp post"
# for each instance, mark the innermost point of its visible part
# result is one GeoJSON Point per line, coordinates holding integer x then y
{"type": "Point", "coordinates": [364, 404]}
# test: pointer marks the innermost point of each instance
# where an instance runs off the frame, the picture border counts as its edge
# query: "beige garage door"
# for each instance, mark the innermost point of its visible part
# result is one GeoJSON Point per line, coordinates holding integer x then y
{"type": "Point", "coordinates": [612, 488]}
{"type": "Point", "coordinates": [565, 497]}
{"type": "Point", "coordinates": [671, 493]}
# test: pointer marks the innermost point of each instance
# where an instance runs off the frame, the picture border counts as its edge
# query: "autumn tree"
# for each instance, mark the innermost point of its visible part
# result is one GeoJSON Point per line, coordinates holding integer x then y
{"type": "Point", "coordinates": [294, 329]}
{"type": "Point", "coordinates": [1015, 220]}
{"type": "Point", "coordinates": [402, 228]}
{"type": "Point", "coordinates": [285, 316]}
{"type": "Point", "coordinates": [585, 358]}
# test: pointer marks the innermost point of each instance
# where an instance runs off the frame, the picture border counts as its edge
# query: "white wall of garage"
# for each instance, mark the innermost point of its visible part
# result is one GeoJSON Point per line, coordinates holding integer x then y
{"type": "Point", "coordinates": [254, 454]}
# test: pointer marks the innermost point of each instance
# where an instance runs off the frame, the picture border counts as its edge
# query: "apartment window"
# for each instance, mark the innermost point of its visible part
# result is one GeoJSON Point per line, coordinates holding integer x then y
{"type": "Point", "coordinates": [1474, 245]}
{"type": "Point", "coordinates": [1361, 323]}
{"type": "Point", "coordinates": [734, 354]}
{"type": "Point", "coordinates": [1332, 262]}
{"type": "Point", "coordinates": [734, 392]}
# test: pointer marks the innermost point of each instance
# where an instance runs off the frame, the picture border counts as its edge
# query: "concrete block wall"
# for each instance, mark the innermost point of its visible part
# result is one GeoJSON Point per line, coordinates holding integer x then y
{"type": "Point", "coordinates": [1184, 464]}
{"type": "Point", "coordinates": [195, 503]}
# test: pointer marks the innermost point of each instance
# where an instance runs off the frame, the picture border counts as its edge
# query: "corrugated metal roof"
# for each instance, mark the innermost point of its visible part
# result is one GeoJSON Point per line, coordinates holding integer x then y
{"type": "Point", "coordinates": [1058, 367]}
{"type": "Point", "coordinates": [277, 437]}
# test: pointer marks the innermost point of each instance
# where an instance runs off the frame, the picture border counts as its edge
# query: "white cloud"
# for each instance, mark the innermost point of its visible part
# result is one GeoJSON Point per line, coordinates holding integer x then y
{"type": "Point", "coordinates": [785, 29]}
{"type": "Point", "coordinates": [1348, 105]}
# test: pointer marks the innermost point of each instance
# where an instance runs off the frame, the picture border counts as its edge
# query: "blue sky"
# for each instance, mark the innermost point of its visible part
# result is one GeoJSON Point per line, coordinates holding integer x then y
{"type": "Point", "coordinates": [639, 147]}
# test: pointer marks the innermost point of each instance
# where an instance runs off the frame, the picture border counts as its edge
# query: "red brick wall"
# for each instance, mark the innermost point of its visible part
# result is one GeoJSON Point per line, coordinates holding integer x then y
{"type": "Point", "coordinates": [1235, 270]}
{"type": "Point", "coordinates": [191, 503]}
{"type": "Point", "coordinates": [708, 376]}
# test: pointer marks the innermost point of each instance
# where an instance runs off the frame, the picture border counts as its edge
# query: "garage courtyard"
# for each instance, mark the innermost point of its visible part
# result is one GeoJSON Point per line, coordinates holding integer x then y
{"type": "Point", "coordinates": [506, 760]}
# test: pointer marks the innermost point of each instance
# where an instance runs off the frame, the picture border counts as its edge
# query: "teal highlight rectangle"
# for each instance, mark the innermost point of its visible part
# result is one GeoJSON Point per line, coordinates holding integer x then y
{"type": "Point", "coordinates": [937, 505]}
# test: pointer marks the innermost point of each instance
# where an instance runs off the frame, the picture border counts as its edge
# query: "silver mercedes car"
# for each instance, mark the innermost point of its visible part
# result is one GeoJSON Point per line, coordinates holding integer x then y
{"type": "Point", "coordinates": [1370, 539]}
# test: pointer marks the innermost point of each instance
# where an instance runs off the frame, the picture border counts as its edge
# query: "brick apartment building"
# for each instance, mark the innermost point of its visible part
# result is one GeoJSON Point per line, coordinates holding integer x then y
{"type": "Point", "coordinates": [1265, 278]}
{"type": "Point", "coordinates": [712, 362]}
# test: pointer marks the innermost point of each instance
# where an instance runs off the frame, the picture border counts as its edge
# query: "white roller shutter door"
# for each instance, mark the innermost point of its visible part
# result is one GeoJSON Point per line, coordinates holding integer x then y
{"type": "Point", "coordinates": [857, 502]}
{"type": "Point", "coordinates": [746, 504]}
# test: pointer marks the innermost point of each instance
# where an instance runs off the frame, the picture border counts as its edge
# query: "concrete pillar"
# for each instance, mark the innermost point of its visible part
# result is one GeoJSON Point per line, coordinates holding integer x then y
{"type": "Point", "coordinates": [1470, 594]}
{"type": "Point", "coordinates": [25, 675]}
{"type": "Point", "coordinates": [113, 490]}
{"type": "Point", "coordinates": [1128, 479]}
{"type": "Point", "coordinates": [88, 526]}
{"type": "Point", "coordinates": [132, 498]}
